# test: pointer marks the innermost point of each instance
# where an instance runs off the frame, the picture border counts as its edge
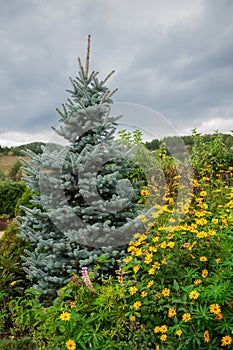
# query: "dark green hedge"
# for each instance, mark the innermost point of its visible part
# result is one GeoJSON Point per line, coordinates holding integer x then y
{"type": "Point", "coordinates": [10, 192]}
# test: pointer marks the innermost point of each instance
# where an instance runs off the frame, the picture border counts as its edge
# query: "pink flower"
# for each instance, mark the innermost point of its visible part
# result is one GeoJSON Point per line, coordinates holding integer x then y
{"type": "Point", "coordinates": [86, 278]}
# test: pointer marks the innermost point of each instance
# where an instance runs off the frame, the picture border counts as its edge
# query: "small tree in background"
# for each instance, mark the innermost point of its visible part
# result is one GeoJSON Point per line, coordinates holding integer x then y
{"type": "Point", "coordinates": [15, 172]}
{"type": "Point", "coordinates": [86, 208]}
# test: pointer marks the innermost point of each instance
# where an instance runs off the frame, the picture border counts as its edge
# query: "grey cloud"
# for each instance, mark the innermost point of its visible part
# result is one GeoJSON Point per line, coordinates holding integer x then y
{"type": "Point", "coordinates": [174, 57]}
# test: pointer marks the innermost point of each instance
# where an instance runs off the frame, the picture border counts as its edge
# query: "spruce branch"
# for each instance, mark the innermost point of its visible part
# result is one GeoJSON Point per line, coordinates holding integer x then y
{"type": "Point", "coordinates": [107, 77]}
{"type": "Point", "coordinates": [81, 72]}
{"type": "Point", "coordinates": [88, 54]}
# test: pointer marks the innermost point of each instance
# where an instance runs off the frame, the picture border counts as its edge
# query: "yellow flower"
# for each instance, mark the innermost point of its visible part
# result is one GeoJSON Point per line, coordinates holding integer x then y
{"type": "Point", "coordinates": [70, 344]}
{"type": "Point", "coordinates": [203, 193]}
{"type": "Point", "coordinates": [204, 206]}
{"type": "Point", "coordinates": [219, 317]}
{"type": "Point", "coordinates": [171, 244]}
{"type": "Point", "coordinates": [138, 252]}
{"type": "Point", "coordinates": [156, 265]}
{"type": "Point", "coordinates": [155, 239]}
{"type": "Point", "coordinates": [214, 221]}
{"type": "Point", "coordinates": [171, 312]}
{"type": "Point", "coordinates": [203, 258]}
{"type": "Point", "coordinates": [157, 347]}
{"type": "Point", "coordinates": [194, 294]}
{"type": "Point", "coordinates": [144, 193]}
{"type": "Point", "coordinates": [136, 268]}
{"type": "Point", "coordinates": [226, 340]}
{"type": "Point", "coordinates": [204, 273]}
{"type": "Point", "coordinates": [120, 279]}
{"type": "Point", "coordinates": [128, 259]}
{"type": "Point", "coordinates": [13, 283]}
{"type": "Point", "coordinates": [143, 218]}
{"type": "Point", "coordinates": [72, 304]}
{"type": "Point", "coordinates": [143, 294]}
{"type": "Point", "coordinates": [196, 282]}
{"type": "Point", "coordinates": [206, 336]}
{"type": "Point", "coordinates": [179, 332]}
{"type": "Point", "coordinates": [163, 245]}
{"type": "Point", "coordinates": [150, 283]}
{"type": "Point", "coordinates": [163, 337]}
{"type": "Point", "coordinates": [186, 317]}
{"type": "Point", "coordinates": [65, 316]}
{"type": "Point", "coordinates": [217, 260]}
{"type": "Point", "coordinates": [137, 305]}
{"type": "Point", "coordinates": [202, 234]}
{"type": "Point", "coordinates": [201, 222]}
{"type": "Point", "coordinates": [157, 329]}
{"type": "Point", "coordinates": [148, 258]}
{"type": "Point", "coordinates": [133, 318]}
{"type": "Point", "coordinates": [163, 328]}
{"type": "Point", "coordinates": [166, 292]}
{"type": "Point", "coordinates": [153, 249]}
{"type": "Point", "coordinates": [215, 309]}
{"type": "Point", "coordinates": [133, 290]}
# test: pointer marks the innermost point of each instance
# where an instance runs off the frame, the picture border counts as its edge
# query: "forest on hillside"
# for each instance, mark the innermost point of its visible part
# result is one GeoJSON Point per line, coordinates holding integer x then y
{"type": "Point", "coordinates": [150, 145]}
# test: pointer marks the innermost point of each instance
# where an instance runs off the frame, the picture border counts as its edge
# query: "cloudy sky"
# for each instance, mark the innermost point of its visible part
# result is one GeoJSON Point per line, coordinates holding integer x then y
{"type": "Point", "coordinates": [173, 57]}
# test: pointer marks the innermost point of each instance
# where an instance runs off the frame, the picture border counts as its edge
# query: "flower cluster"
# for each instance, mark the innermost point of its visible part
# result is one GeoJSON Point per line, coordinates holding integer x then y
{"type": "Point", "coordinates": [86, 278]}
{"type": "Point", "coordinates": [180, 274]}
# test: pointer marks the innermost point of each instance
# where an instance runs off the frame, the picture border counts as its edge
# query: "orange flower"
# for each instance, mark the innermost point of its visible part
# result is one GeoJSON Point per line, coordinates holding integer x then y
{"type": "Point", "coordinates": [70, 344]}
{"type": "Point", "coordinates": [204, 273]}
{"type": "Point", "coordinates": [171, 312]}
{"type": "Point", "coordinates": [166, 292]}
{"type": "Point", "coordinates": [194, 294]}
{"type": "Point", "coordinates": [186, 317]}
{"type": "Point", "coordinates": [226, 340]}
{"type": "Point", "coordinates": [137, 305]}
{"type": "Point", "coordinates": [206, 336]}
{"type": "Point", "coordinates": [215, 309]}
{"type": "Point", "coordinates": [65, 316]}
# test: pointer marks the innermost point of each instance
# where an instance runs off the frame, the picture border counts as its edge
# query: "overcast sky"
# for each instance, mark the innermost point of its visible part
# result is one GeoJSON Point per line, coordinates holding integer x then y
{"type": "Point", "coordinates": [170, 56]}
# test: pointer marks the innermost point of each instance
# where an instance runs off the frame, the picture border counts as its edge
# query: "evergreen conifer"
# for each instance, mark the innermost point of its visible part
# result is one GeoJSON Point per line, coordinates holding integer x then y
{"type": "Point", "coordinates": [86, 210]}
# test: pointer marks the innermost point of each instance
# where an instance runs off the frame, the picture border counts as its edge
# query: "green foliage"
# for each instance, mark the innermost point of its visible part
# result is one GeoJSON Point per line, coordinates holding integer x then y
{"type": "Point", "coordinates": [23, 343]}
{"type": "Point", "coordinates": [92, 318]}
{"type": "Point", "coordinates": [210, 156]}
{"type": "Point", "coordinates": [14, 173]}
{"type": "Point", "coordinates": [26, 200]}
{"type": "Point", "coordinates": [10, 192]}
{"type": "Point", "coordinates": [12, 275]}
{"type": "Point", "coordinates": [134, 141]}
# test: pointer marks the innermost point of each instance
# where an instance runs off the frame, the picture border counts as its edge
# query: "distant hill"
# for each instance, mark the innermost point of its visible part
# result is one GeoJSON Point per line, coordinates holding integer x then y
{"type": "Point", "coordinates": [17, 150]}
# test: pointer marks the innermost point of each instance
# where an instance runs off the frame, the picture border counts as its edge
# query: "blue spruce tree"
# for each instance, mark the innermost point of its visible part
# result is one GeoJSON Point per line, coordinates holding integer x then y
{"type": "Point", "coordinates": [86, 208]}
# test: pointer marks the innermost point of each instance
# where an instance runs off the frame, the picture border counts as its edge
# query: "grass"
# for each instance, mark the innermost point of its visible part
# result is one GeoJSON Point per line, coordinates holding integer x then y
{"type": "Point", "coordinates": [7, 162]}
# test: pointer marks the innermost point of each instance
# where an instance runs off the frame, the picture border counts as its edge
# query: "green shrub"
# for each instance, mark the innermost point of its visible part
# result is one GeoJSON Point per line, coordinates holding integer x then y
{"type": "Point", "coordinates": [15, 172]}
{"type": "Point", "coordinates": [17, 344]}
{"type": "Point", "coordinates": [10, 192]}
{"type": "Point", "coordinates": [210, 156]}
{"type": "Point", "coordinates": [93, 317]}
{"type": "Point", "coordinates": [12, 277]}
{"type": "Point", "coordinates": [26, 201]}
